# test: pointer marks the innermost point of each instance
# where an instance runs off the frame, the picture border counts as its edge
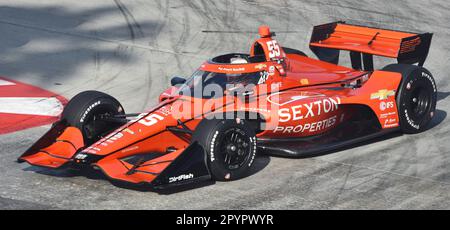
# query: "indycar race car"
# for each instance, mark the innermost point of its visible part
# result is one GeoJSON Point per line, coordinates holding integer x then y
{"type": "Point", "coordinates": [274, 100]}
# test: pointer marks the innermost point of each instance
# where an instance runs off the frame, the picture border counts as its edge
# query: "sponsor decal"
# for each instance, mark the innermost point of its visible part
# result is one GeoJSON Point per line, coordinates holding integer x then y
{"type": "Point", "coordinates": [80, 156]}
{"type": "Point", "coordinates": [91, 149]}
{"type": "Point", "coordinates": [130, 149]}
{"type": "Point", "coordinates": [181, 177]}
{"type": "Point", "coordinates": [300, 96]}
{"type": "Point", "coordinates": [308, 127]}
{"type": "Point", "coordinates": [409, 46]}
{"type": "Point", "coordinates": [110, 139]}
{"type": "Point", "coordinates": [384, 115]}
{"type": "Point", "coordinates": [260, 66]}
{"type": "Point", "coordinates": [410, 121]}
{"type": "Point", "coordinates": [307, 110]}
{"type": "Point", "coordinates": [104, 142]}
{"type": "Point", "coordinates": [390, 122]}
{"type": "Point", "coordinates": [382, 94]}
{"type": "Point", "coordinates": [239, 69]}
{"type": "Point", "coordinates": [386, 105]}
{"type": "Point", "coordinates": [253, 140]}
{"type": "Point", "coordinates": [431, 80]}
{"type": "Point", "coordinates": [89, 110]}
{"type": "Point", "coordinates": [304, 81]}
{"type": "Point", "coordinates": [213, 141]}
{"type": "Point", "coordinates": [253, 109]}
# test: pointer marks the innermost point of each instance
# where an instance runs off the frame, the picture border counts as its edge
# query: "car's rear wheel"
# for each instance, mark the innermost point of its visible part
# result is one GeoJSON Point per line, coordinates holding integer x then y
{"type": "Point", "coordinates": [416, 97]}
{"type": "Point", "coordinates": [230, 146]}
{"type": "Point", "coordinates": [86, 112]}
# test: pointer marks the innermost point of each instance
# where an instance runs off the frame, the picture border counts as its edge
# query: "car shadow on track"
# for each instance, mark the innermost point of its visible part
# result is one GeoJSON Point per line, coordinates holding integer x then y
{"type": "Point", "coordinates": [84, 43]}
{"type": "Point", "coordinates": [260, 163]}
{"type": "Point", "coordinates": [442, 95]}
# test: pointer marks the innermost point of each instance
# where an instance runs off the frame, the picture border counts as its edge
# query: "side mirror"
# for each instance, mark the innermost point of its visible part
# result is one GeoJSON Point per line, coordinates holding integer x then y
{"type": "Point", "coordinates": [177, 81]}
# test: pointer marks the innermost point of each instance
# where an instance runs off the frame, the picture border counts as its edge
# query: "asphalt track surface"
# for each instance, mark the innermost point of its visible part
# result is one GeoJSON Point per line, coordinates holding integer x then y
{"type": "Point", "coordinates": [130, 49]}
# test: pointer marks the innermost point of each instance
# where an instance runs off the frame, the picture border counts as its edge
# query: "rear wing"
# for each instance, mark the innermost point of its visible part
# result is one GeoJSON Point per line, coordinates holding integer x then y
{"type": "Point", "coordinates": [328, 39]}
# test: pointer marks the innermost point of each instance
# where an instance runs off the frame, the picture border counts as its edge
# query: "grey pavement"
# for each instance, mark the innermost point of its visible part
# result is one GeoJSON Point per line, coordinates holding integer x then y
{"type": "Point", "coordinates": [130, 49]}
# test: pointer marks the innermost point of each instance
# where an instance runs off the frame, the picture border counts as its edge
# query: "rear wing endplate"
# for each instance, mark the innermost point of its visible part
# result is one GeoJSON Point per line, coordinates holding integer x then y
{"type": "Point", "coordinates": [328, 39]}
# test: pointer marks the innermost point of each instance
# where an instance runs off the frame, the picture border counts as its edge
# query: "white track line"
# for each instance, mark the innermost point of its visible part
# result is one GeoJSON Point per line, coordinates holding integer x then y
{"type": "Point", "coordinates": [43, 106]}
{"type": "Point", "coordinates": [3, 83]}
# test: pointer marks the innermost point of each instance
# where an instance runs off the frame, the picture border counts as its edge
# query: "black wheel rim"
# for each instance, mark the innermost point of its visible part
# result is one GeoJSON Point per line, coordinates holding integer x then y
{"type": "Point", "coordinates": [235, 148]}
{"type": "Point", "coordinates": [420, 102]}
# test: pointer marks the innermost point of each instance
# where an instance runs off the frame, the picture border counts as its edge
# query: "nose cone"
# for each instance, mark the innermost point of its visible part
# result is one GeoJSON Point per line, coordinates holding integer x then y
{"type": "Point", "coordinates": [264, 31]}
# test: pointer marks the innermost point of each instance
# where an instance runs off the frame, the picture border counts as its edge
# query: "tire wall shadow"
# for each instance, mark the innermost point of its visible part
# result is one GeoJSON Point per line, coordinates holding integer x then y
{"type": "Point", "coordinates": [41, 37]}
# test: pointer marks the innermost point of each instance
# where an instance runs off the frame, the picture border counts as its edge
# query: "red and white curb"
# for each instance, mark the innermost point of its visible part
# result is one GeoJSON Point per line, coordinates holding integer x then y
{"type": "Point", "coordinates": [25, 106]}
{"type": "Point", "coordinates": [3, 82]}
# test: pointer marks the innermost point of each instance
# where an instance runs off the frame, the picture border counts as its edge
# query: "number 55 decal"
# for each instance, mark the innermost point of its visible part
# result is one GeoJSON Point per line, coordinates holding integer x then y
{"type": "Point", "coordinates": [151, 119]}
{"type": "Point", "coordinates": [274, 49]}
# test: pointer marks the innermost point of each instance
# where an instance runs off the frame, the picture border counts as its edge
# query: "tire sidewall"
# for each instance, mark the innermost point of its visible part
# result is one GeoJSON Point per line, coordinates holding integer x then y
{"type": "Point", "coordinates": [209, 135]}
{"type": "Point", "coordinates": [83, 106]}
{"type": "Point", "coordinates": [415, 77]}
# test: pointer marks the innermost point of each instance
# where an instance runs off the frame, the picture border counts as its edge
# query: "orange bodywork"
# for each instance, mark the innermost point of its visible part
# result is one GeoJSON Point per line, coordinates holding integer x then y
{"type": "Point", "coordinates": [356, 38]}
{"type": "Point", "coordinates": [59, 152]}
{"type": "Point", "coordinates": [312, 98]}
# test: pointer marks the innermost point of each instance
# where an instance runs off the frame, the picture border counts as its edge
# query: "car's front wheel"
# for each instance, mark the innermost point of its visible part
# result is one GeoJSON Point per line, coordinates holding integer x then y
{"type": "Point", "coordinates": [86, 110]}
{"type": "Point", "coordinates": [230, 146]}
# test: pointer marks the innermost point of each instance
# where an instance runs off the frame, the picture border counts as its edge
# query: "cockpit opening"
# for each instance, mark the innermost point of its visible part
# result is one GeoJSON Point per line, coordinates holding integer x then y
{"type": "Point", "coordinates": [238, 58]}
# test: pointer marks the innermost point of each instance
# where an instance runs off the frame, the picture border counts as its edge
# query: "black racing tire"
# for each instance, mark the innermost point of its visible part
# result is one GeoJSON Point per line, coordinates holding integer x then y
{"type": "Point", "coordinates": [230, 147]}
{"type": "Point", "coordinates": [416, 97]}
{"type": "Point", "coordinates": [83, 112]}
{"type": "Point", "coordinates": [294, 51]}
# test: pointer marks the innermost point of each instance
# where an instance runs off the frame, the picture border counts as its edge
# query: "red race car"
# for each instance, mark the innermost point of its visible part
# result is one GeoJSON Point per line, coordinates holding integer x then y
{"type": "Point", "coordinates": [275, 100]}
